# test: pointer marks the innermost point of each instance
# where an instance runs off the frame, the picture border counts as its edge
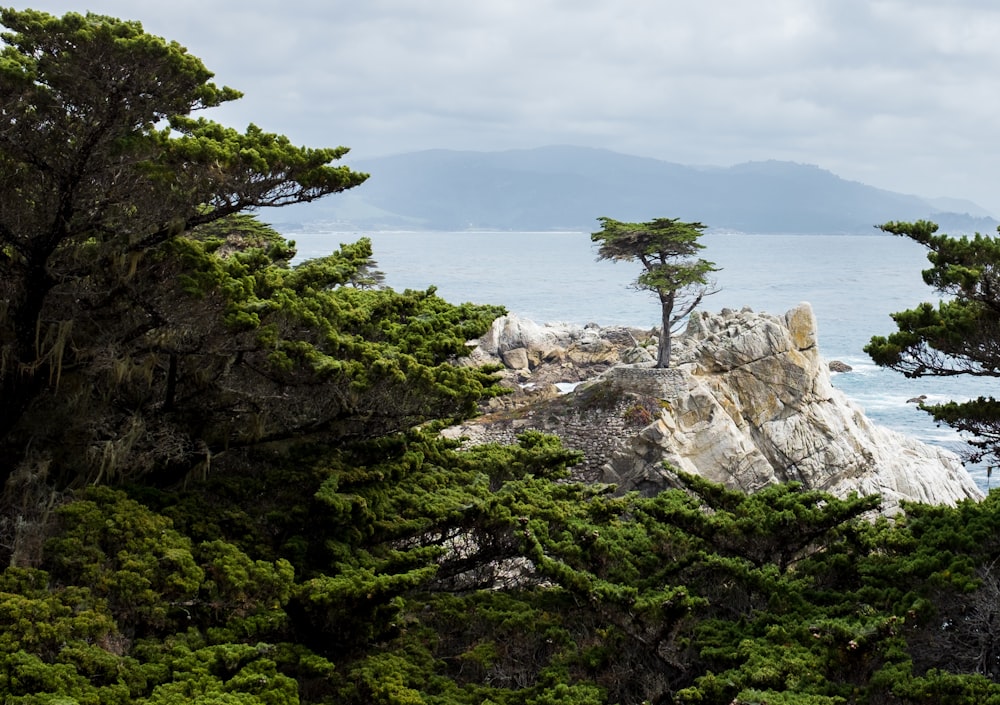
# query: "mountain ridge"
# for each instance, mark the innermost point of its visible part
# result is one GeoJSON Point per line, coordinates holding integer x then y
{"type": "Point", "coordinates": [563, 187]}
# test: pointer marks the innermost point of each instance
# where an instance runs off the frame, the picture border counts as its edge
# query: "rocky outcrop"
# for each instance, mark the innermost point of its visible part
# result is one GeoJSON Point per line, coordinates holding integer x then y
{"type": "Point", "coordinates": [542, 361]}
{"type": "Point", "coordinates": [747, 404]}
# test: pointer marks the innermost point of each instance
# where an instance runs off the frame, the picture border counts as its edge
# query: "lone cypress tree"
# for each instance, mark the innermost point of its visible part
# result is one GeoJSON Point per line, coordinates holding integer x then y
{"type": "Point", "coordinates": [666, 247]}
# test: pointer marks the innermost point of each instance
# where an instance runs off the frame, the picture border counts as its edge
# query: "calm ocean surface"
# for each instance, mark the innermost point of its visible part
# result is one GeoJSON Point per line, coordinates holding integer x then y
{"type": "Point", "coordinates": [853, 283]}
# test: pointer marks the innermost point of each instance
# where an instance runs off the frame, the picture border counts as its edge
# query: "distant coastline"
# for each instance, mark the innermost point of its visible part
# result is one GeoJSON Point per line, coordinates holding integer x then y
{"type": "Point", "coordinates": [552, 189]}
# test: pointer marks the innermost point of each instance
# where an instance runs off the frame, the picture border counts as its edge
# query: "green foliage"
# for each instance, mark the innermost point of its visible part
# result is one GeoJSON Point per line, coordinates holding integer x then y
{"type": "Point", "coordinates": [956, 336]}
{"type": "Point", "coordinates": [221, 675]}
{"type": "Point", "coordinates": [126, 555]}
{"type": "Point", "coordinates": [56, 642]}
{"type": "Point", "coordinates": [435, 574]}
{"type": "Point", "coordinates": [942, 687]}
{"type": "Point", "coordinates": [240, 233]}
{"type": "Point", "coordinates": [160, 620]}
{"type": "Point", "coordinates": [109, 364]}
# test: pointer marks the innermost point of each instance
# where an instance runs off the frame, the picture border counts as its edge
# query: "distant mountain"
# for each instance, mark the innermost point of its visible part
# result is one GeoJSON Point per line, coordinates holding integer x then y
{"type": "Point", "coordinates": [568, 188]}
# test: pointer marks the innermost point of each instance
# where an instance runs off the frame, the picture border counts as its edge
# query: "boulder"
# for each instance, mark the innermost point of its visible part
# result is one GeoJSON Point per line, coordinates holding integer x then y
{"type": "Point", "coordinates": [515, 358]}
{"type": "Point", "coordinates": [511, 331]}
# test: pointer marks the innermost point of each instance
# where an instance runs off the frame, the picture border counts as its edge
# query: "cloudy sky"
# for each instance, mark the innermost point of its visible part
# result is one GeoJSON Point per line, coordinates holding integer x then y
{"type": "Point", "coordinates": [898, 94]}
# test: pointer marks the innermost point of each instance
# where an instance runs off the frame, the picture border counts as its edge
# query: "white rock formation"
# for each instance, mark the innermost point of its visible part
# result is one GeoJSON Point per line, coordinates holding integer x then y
{"type": "Point", "coordinates": [750, 403]}
{"type": "Point", "coordinates": [552, 342]}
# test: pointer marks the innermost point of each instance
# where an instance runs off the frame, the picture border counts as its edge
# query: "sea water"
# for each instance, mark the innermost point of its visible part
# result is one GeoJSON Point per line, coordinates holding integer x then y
{"type": "Point", "coordinates": [853, 282]}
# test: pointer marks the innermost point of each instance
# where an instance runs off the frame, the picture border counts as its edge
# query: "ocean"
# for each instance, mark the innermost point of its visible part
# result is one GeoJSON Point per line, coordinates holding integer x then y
{"type": "Point", "coordinates": [853, 282]}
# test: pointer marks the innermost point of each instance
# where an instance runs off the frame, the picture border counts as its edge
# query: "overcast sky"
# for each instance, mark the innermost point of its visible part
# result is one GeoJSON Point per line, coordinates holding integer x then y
{"type": "Point", "coordinates": [899, 94]}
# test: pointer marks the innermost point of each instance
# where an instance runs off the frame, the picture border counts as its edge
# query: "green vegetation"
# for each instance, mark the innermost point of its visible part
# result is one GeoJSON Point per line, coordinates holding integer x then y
{"type": "Point", "coordinates": [223, 482]}
{"type": "Point", "coordinates": [666, 248]}
{"type": "Point", "coordinates": [959, 335]}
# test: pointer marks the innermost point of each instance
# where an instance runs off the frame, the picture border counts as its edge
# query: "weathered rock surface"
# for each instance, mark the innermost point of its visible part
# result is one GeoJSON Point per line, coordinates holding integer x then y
{"type": "Point", "coordinates": [748, 403]}
{"type": "Point", "coordinates": [537, 357]}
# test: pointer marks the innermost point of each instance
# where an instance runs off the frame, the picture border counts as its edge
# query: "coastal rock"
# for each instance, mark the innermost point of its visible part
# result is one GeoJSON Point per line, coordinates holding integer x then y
{"type": "Point", "coordinates": [515, 358]}
{"type": "Point", "coordinates": [748, 403]}
{"type": "Point", "coordinates": [553, 353]}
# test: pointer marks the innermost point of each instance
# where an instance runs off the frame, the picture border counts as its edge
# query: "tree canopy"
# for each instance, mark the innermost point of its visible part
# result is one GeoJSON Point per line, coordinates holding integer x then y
{"type": "Point", "coordinates": [666, 248]}
{"type": "Point", "coordinates": [146, 325]}
{"type": "Point", "coordinates": [960, 335]}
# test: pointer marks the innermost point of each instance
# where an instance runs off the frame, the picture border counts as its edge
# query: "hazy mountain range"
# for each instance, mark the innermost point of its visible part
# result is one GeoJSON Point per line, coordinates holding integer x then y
{"type": "Point", "coordinates": [568, 188]}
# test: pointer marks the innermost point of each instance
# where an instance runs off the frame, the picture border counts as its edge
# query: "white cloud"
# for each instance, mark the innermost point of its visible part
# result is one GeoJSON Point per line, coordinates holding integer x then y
{"type": "Point", "coordinates": [901, 95]}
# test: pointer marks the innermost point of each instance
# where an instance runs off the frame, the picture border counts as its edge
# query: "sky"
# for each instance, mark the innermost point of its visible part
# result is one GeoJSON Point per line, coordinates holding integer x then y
{"type": "Point", "coordinates": [903, 95]}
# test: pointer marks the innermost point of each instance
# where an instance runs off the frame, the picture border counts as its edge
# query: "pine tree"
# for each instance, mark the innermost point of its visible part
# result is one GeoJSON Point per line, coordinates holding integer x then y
{"type": "Point", "coordinates": [960, 335]}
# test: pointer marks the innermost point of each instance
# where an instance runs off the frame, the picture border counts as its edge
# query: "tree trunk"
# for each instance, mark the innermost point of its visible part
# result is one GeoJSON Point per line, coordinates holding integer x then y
{"type": "Point", "coordinates": [663, 353]}
{"type": "Point", "coordinates": [171, 392]}
{"type": "Point", "coordinates": [21, 381]}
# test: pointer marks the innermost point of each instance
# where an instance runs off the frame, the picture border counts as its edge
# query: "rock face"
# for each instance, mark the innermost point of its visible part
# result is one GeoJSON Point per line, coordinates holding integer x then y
{"type": "Point", "coordinates": [748, 403]}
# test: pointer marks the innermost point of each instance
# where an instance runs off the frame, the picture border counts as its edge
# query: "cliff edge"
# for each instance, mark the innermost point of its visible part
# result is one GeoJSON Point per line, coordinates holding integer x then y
{"type": "Point", "coordinates": [747, 403]}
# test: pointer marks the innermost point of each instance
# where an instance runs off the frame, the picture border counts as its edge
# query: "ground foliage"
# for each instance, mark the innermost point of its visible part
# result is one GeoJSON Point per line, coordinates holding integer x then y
{"type": "Point", "coordinates": [234, 490]}
{"type": "Point", "coordinates": [408, 570]}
